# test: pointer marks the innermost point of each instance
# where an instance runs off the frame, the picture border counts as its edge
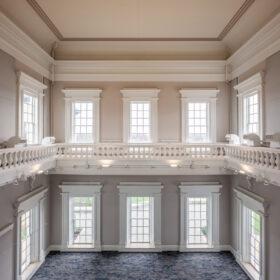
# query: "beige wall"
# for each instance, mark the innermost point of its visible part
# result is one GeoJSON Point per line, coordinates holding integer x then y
{"type": "Point", "coordinates": [8, 242]}
{"type": "Point", "coordinates": [169, 108]}
{"type": "Point", "coordinates": [110, 205]}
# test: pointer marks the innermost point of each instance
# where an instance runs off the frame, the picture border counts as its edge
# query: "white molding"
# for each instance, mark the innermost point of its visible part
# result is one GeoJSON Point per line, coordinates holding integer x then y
{"type": "Point", "coordinates": [211, 190]}
{"type": "Point", "coordinates": [6, 229]}
{"type": "Point", "coordinates": [258, 48]}
{"type": "Point", "coordinates": [82, 94]}
{"type": "Point", "coordinates": [140, 94]}
{"type": "Point", "coordinates": [19, 45]}
{"type": "Point", "coordinates": [208, 95]}
{"type": "Point", "coordinates": [31, 86]}
{"type": "Point", "coordinates": [69, 190]}
{"type": "Point", "coordinates": [133, 188]}
{"type": "Point", "coordinates": [141, 70]}
{"type": "Point", "coordinates": [249, 86]}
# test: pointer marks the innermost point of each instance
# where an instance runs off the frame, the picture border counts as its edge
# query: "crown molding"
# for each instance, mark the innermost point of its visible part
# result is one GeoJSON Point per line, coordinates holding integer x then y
{"type": "Point", "coordinates": [30, 83]}
{"type": "Point", "coordinates": [91, 93]}
{"type": "Point", "coordinates": [199, 92]}
{"type": "Point", "coordinates": [258, 48]}
{"type": "Point", "coordinates": [250, 83]}
{"type": "Point", "coordinates": [141, 70]}
{"type": "Point", "coordinates": [131, 93]}
{"type": "Point", "coordinates": [16, 43]}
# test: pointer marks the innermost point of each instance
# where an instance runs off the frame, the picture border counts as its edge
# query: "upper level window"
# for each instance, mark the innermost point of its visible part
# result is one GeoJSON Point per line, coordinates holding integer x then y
{"type": "Point", "coordinates": [250, 105]}
{"type": "Point", "coordinates": [249, 232]}
{"type": "Point", "coordinates": [81, 215]}
{"type": "Point", "coordinates": [30, 108]}
{"type": "Point", "coordinates": [81, 115]}
{"type": "Point", "coordinates": [140, 216]}
{"type": "Point", "coordinates": [199, 216]}
{"type": "Point", "coordinates": [198, 115]}
{"type": "Point", "coordinates": [140, 115]}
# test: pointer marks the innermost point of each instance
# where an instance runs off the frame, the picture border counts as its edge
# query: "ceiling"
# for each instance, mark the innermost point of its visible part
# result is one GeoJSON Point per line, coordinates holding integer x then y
{"type": "Point", "coordinates": [91, 25]}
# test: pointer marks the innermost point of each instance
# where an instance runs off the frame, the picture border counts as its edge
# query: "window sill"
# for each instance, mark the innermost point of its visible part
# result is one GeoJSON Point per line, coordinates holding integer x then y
{"type": "Point", "coordinates": [30, 270]}
{"type": "Point", "coordinates": [140, 246]}
{"type": "Point", "coordinates": [250, 271]}
{"type": "Point", "coordinates": [81, 246]}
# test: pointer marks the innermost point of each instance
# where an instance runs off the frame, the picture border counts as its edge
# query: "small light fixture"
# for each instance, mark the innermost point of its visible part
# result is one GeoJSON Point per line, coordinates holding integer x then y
{"type": "Point", "coordinates": [235, 172]}
{"type": "Point", "coordinates": [174, 165]}
{"type": "Point", "coordinates": [241, 171]}
{"type": "Point", "coordinates": [106, 163]}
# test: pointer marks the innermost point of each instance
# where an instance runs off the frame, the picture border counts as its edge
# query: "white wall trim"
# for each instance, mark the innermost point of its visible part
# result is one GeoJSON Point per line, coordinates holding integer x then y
{"type": "Point", "coordinates": [69, 190]}
{"type": "Point", "coordinates": [140, 94]}
{"type": "Point", "coordinates": [201, 95]}
{"type": "Point", "coordinates": [258, 48]}
{"type": "Point", "coordinates": [82, 94]}
{"type": "Point", "coordinates": [6, 229]}
{"type": "Point", "coordinates": [19, 45]}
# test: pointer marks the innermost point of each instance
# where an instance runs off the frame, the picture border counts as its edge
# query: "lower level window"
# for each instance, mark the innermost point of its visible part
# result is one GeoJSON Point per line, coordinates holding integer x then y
{"type": "Point", "coordinates": [26, 229]}
{"type": "Point", "coordinates": [197, 224]}
{"type": "Point", "coordinates": [82, 218]}
{"type": "Point", "coordinates": [140, 220]}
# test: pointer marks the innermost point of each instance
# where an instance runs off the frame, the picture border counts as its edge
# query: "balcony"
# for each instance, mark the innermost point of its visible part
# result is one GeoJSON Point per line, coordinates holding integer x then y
{"type": "Point", "coordinates": [140, 159]}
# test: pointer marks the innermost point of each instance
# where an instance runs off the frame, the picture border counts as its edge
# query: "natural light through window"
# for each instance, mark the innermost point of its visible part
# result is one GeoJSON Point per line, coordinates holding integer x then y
{"type": "Point", "coordinates": [140, 122]}
{"type": "Point", "coordinates": [30, 118]}
{"type": "Point", "coordinates": [140, 211]}
{"type": "Point", "coordinates": [25, 240]}
{"type": "Point", "coordinates": [82, 122]}
{"type": "Point", "coordinates": [197, 221]}
{"type": "Point", "coordinates": [254, 232]}
{"type": "Point", "coordinates": [197, 122]}
{"type": "Point", "coordinates": [82, 217]}
{"type": "Point", "coordinates": [251, 107]}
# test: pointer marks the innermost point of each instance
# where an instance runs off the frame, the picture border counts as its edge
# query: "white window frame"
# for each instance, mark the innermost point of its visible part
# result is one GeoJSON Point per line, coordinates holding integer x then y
{"type": "Point", "coordinates": [145, 95]}
{"type": "Point", "coordinates": [33, 201]}
{"type": "Point", "coordinates": [132, 189]}
{"type": "Point", "coordinates": [74, 95]}
{"type": "Point", "coordinates": [30, 86]}
{"type": "Point", "coordinates": [74, 189]}
{"type": "Point", "coordinates": [210, 190]}
{"type": "Point", "coordinates": [199, 95]}
{"type": "Point", "coordinates": [252, 85]}
{"type": "Point", "coordinates": [244, 200]}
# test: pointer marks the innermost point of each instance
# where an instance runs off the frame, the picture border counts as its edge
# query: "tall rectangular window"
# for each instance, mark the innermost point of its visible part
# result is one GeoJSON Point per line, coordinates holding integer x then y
{"type": "Point", "coordinates": [82, 218]}
{"type": "Point", "coordinates": [140, 122]}
{"type": "Point", "coordinates": [251, 113]}
{"type": "Point", "coordinates": [254, 239]}
{"type": "Point", "coordinates": [140, 220]}
{"type": "Point", "coordinates": [197, 122]}
{"type": "Point", "coordinates": [197, 221]}
{"type": "Point", "coordinates": [30, 118]}
{"type": "Point", "coordinates": [82, 122]}
{"type": "Point", "coordinates": [25, 222]}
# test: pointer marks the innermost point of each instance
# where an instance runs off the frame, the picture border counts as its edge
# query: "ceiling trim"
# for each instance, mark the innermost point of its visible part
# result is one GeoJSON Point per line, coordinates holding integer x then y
{"type": "Point", "coordinates": [241, 11]}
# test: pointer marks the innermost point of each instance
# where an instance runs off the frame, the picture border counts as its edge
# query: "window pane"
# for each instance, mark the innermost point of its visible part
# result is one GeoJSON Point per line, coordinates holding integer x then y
{"type": "Point", "coordinates": [254, 239]}
{"type": "Point", "coordinates": [82, 122]}
{"type": "Point", "coordinates": [30, 118]}
{"type": "Point", "coordinates": [197, 221]}
{"type": "Point", "coordinates": [251, 114]}
{"type": "Point", "coordinates": [25, 221]}
{"type": "Point", "coordinates": [197, 122]}
{"type": "Point", "coordinates": [140, 122]}
{"type": "Point", "coordinates": [82, 209]}
{"type": "Point", "coordinates": [140, 227]}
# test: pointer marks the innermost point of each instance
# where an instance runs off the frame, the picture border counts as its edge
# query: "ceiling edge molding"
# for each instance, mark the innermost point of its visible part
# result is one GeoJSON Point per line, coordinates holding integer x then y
{"type": "Point", "coordinates": [257, 49]}
{"type": "Point", "coordinates": [240, 12]}
{"type": "Point", "coordinates": [157, 71]}
{"type": "Point", "coordinates": [16, 43]}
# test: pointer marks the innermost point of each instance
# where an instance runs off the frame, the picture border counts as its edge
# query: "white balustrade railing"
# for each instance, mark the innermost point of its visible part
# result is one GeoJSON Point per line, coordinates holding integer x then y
{"type": "Point", "coordinates": [138, 151]}
{"type": "Point", "coordinates": [257, 156]}
{"type": "Point", "coordinates": [17, 157]}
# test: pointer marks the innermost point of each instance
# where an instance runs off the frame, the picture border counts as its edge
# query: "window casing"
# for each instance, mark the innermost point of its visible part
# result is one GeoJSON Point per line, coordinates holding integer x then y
{"type": "Point", "coordinates": [140, 216]}
{"type": "Point", "coordinates": [81, 216]}
{"type": "Point", "coordinates": [198, 115]}
{"type": "Point", "coordinates": [249, 234]}
{"type": "Point", "coordinates": [140, 115]}
{"type": "Point", "coordinates": [199, 216]}
{"type": "Point", "coordinates": [30, 122]}
{"type": "Point", "coordinates": [250, 105]}
{"type": "Point", "coordinates": [82, 115]}
{"type": "Point", "coordinates": [30, 232]}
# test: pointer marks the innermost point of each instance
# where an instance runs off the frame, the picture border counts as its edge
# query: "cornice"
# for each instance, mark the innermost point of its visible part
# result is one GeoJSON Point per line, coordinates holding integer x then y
{"type": "Point", "coordinates": [199, 92]}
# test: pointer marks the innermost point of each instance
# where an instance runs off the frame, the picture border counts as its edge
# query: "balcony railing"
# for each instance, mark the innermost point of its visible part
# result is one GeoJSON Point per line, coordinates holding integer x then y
{"type": "Point", "coordinates": [257, 156]}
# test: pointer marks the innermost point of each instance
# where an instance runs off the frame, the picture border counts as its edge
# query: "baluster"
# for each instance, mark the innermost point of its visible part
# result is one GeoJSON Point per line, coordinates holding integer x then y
{"type": "Point", "coordinates": [272, 160]}
{"type": "Point", "coordinates": [278, 161]}
{"type": "Point", "coordinates": [267, 159]}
